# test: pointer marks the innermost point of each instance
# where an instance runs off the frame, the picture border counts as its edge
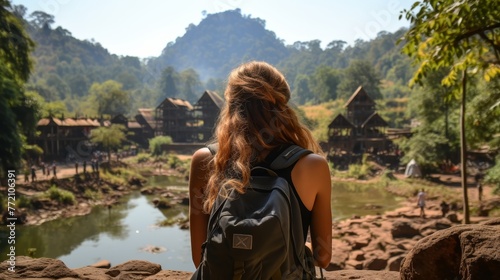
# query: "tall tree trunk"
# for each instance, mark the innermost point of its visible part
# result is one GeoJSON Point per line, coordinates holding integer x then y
{"type": "Point", "coordinates": [463, 150]}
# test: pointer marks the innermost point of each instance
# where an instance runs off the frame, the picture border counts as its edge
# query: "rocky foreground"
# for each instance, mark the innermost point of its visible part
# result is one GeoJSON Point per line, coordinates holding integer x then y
{"type": "Point", "coordinates": [397, 245]}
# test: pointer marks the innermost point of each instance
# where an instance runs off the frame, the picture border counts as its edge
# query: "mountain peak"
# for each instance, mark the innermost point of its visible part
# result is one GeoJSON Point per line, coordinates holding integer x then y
{"type": "Point", "coordinates": [223, 39]}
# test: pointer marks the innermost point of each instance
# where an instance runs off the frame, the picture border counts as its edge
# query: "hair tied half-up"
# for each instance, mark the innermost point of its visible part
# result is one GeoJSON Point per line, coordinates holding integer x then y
{"type": "Point", "coordinates": [255, 120]}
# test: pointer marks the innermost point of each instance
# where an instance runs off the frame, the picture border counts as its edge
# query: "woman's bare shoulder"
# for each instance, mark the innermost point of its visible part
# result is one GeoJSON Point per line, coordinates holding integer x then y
{"type": "Point", "coordinates": [202, 154]}
{"type": "Point", "coordinates": [312, 161]}
{"type": "Point", "coordinates": [200, 160]}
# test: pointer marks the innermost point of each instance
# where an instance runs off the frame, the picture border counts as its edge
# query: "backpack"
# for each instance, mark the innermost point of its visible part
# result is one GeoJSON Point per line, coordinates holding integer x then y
{"type": "Point", "coordinates": [258, 234]}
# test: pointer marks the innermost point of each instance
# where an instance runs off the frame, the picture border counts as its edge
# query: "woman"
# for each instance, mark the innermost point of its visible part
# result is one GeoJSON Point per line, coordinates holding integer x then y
{"type": "Point", "coordinates": [255, 121]}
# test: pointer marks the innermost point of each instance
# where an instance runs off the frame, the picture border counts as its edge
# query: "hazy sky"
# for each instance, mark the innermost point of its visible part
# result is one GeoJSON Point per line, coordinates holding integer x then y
{"type": "Point", "coordinates": [143, 28]}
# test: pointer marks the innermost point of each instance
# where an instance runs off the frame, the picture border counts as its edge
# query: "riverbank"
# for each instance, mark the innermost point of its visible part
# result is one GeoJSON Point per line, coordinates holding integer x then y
{"type": "Point", "coordinates": [373, 242]}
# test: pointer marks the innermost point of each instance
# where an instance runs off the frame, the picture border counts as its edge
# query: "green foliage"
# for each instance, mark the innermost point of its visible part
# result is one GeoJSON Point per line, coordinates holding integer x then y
{"type": "Point", "coordinates": [31, 252]}
{"type": "Point", "coordinates": [454, 35]}
{"type": "Point", "coordinates": [92, 195]}
{"type": "Point", "coordinates": [109, 137]}
{"type": "Point", "coordinates": [60, 195]}
{"type": "Point", "coordinates": [110, 98]}
{"type": "Point", "coordinates": [143, 157]}
{"type": "Point", "coordinates": [324, 83]}
{"type": "Point", "coordinates": [482, 121]}
{"type": "Point", "coordinates": [493, 176]}
{"type": "Point", "coordinates": [155, 144]}
{"type": "Point", "coordinates": [120, 176]}
{"type": "Point", "coordinates": [16, 44]}
{"type": "Point", "coordinates": [18, 111]}
{"type": "Point", "coordinates": [174, 161]}
{"type": "Point", "coordinates": [463, 38]}
{"type": "Point", "coordinates": [113, 178]}
{"type": "Point", "coordinates": [360, 73]}
{"type": "Point", "coordinates": [358, 171]}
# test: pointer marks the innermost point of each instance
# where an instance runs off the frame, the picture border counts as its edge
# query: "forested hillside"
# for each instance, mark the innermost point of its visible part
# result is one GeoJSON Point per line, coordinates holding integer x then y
{"type": "Point", "coordinates": [456, 97]}
{"type": "Point", "coordinates": [219, 43]}
{"type": "Point", "coordinates": [72, 75]}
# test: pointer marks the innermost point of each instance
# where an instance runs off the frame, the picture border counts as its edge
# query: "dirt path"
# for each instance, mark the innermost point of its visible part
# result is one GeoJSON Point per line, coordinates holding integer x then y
{"type": "Point", "coordinates": [62, 171]}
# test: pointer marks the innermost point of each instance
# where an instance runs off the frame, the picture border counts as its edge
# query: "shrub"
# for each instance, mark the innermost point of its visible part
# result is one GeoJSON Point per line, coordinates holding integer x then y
{"type": "Point", "coordinates": [62, 196]}
{"type": "Point", "coordinates": [156, 143]}
{"type": "Point", "coordinates": [143, 157]}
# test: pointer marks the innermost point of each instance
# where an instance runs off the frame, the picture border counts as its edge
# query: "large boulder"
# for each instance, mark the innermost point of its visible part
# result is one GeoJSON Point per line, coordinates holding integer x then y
{"type": "Point", "coordinates": [460, 252]}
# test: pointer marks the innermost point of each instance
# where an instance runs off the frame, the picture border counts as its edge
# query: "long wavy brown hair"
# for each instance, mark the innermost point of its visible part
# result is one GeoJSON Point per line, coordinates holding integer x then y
{"type": "Point", "coordinates": [256, 118]}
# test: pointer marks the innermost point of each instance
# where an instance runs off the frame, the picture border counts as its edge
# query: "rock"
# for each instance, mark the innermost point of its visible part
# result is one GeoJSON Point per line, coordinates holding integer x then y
{"type": "Point", "coordinates": [26, 267]}
{"type": "Point", "coordinates": [340, 253]}
{"type": "Point", "coordinates": [361, 275]}
{"type": "Point", "coordinates": [138, 267]}
{"type": "Point", "coordinates": [353, 264]}
{"type": "Point", "coordinates": [394, 263]}
{"type": "Point", "coordinates": [101, 264]}
{"type": "Point", "coordinates": [460, 252]}
{"type": "Point", "coordinates": [170, 275]}
{"type": "Point", "coordinates": [404, 228]}
{"type": "Point", "coordinates": [375, 263]}
{"type": "Point", "coordinates": [20, 215]}
{"type": "Point", "coordinates": [357, 255]}
{"type": "Point", "coordinates": [45, 269]}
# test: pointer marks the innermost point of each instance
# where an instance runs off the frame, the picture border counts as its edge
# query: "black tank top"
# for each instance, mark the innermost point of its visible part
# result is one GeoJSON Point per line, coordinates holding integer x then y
{"type": "Point", "coordinates": [287, 174]}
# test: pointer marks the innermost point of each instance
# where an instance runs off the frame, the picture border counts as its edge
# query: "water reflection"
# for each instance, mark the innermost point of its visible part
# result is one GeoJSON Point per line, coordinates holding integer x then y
{"type": "Point", "coordinates": [117, 234]}
{"type": "Point", "coordinates": [361, 199]}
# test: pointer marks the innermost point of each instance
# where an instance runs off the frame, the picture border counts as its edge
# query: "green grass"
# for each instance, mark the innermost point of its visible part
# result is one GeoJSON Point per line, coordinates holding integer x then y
{"type": "Point", "coordinates": [60, 195]}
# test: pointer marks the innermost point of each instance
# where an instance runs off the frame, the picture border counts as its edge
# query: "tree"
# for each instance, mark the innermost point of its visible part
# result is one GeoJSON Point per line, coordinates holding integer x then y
{"type": "Point", "coordinates": [360, 73]}
{"type": "Point", "coordinates": [42, 20]}
{"type": "Point", "coordinates": [110, 98]}
{"type": "Point", "coordinates": [463, 37]}
{"type": "Point", "coordinates": [324, 83]}
{"type": "Point", "coordinates": [108, 137]}
{"type": "Point", "coordinates": [167, 83]}
{"type": "Point", "coordinates": [301, 93]}
{"type": "Point", "coordinates": [192, 85]}
{"type": "Point", "coordinates": [18, 112]}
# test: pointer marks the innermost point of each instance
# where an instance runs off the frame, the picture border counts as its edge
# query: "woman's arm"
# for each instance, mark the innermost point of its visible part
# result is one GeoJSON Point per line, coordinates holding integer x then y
{"type": "Point", "coordinates": [311, 177]}
{"type": "Point", "coordinates": [198, 219]}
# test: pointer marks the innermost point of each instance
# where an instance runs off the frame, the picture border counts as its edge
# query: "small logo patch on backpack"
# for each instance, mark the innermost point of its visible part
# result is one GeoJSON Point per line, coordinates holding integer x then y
{"type": "Point", "coordinates": [242, 241]}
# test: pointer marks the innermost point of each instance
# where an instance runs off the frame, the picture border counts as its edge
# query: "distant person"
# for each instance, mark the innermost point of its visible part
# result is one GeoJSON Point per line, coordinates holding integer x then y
{"type": "Point", "coordinates": [421, 196]}
{"type": "Point", "coordinates": [43, 168]}
{"type": "Point", "coordinates": [84, 166]}
{"type": "Point", "coordinates": [76, 167]}
{"type": "Point", "coordinates": [445, 208]}
{"type": "Point", "coordinates": [54, 169]}
{"type": "Point", "coordinates": [479, 191]}
{"type": "Point", "coordinates": [33, 173]}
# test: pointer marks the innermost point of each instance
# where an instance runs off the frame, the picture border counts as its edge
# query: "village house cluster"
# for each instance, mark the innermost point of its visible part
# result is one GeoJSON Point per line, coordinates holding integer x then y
{"type": "Point", "coordinates": [65, 138]}
{"type": "Point", "coordinates": [361, 129]}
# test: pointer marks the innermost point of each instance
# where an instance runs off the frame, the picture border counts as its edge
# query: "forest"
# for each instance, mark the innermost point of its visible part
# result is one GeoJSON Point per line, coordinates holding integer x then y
{"type": "Point", "coordinates": [67, 76]}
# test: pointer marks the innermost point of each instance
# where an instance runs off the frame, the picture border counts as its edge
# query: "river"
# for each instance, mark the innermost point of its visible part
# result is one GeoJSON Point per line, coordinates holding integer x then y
{"type": "Point", "coordinates": [121, 233]}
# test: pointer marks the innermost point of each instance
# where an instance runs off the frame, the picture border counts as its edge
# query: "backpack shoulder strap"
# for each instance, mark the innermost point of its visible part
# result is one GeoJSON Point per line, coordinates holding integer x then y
{"type": "Point", "coordinates": [288, 157]}
{"type": "Point", "coordinates": [213, 148]}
